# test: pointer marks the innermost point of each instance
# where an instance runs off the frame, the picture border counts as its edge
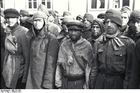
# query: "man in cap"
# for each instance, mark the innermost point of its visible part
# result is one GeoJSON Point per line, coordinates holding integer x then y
{"type": "Point", "coordinates": [101, 16]}
{"type": "Point", "coordinates": [97, 30]}
{"type": "Point", "coordinates": [135, 75]}
{"type": "Point", "coordinates": [74, 59]}
{"type": "Point", "coordinates": [134, 20]}
{"type": "Point", "coordinates": [13, 67]}
{"type": "Point", "coordinates": [87, 20]}
{"type": "Point", "coordinates": [114, 56]}
{"type": "Point", "coordinates": [40, 51]}
{"type": "Point", "coordinates": [25, 19]}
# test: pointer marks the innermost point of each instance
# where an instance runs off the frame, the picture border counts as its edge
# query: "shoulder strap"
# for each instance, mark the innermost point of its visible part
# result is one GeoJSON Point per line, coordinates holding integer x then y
{"type": "Point", "coordinates": [76, 58]}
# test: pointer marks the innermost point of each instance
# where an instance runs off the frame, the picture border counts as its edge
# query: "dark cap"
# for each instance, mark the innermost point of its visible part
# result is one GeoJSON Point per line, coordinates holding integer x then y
{"type": "Point", "coordinates": [75, 25]}
{"type": "Point", "coordinates": [24, 12]}
{"type": "Point", "coordinates": [11, 13]}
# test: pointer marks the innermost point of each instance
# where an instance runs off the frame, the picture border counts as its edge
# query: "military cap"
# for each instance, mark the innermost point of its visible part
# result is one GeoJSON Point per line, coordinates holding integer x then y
{"type": "Point", "coordinates": [11, 13]}
{"type": "Point", "coordinates": [75, 25]}
{"type": "Point", "coordinates": [24, 12]}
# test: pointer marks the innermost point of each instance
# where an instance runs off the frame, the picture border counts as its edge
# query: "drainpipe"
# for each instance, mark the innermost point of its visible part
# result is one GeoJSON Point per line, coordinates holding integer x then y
{"type": "Point", "coordinates": [87, 6]}
{"type": "Point", "coordinates": [68, 5]}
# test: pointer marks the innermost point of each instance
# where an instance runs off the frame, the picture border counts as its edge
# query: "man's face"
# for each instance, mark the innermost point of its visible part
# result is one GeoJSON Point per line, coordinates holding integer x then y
{"type": "Point", "coordinates": [11, 21]}
{"type": "Point", "coordinates": [125, 19]}
{"type": "Point", "coordinates": [74, 34]}
{"type": "Point", "coordinates": [137, 25]}
{"type": "Point", "coordinates": [87, 23]}
{"type": "Point", "coordinates": [23, 18]}
{"type": "Point", "coordinates": [111, 27]}
{"type": "Point", "coordinates": [38, 23]}
{"type": "Point", "coordinates": [96, 31]}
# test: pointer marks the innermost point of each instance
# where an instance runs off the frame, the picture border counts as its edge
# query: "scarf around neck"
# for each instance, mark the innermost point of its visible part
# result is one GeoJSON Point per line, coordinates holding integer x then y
{"type": "Point", "coordinates": [115, 41]}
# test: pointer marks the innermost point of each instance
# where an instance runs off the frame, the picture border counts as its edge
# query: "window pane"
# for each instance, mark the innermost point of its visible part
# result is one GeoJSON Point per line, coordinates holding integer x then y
{"type": "Point", "coordinates": [35, 5]}
{"type": "Point", "coordinates": [48, 4]}
{"type": "Point", "coordinates": [125, 2]}
{"type": "Point", "coordinates": [117, 3]}
{"type": "Point", "coordinates": [1, 3]}
{"type": "Point", "coordinates": [93, 3]}
{"type": "Point", "coordinates": [102, 5]}
{"type": "Point", "coordinates": [43, 3]}
{"type": "Point", "coordinates": [30, 4]}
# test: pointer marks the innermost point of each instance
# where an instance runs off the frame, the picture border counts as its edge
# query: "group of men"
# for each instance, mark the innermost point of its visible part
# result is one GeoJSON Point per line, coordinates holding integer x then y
{"type": "Point", "coordinates": [81, 53]}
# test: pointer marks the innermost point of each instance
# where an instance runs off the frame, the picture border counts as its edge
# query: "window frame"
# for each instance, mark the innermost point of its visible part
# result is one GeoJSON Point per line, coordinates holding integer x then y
{"type": "Point", "coordinates": [90, 5]}
{"type": "Point", "coordinates": [32, 8]}
{"type": "Point", "coordinates": [46, 3]}
{"type": "Point", "coordinates": [121, 4]}
{"type": "Point", "coordinates": [38, 3]}
{"type": "Point", "coordinates": [2, 1]}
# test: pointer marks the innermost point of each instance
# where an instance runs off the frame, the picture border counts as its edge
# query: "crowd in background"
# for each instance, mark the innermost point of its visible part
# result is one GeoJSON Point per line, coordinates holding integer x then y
{"type": "Point", "coordinates": [49, 51]}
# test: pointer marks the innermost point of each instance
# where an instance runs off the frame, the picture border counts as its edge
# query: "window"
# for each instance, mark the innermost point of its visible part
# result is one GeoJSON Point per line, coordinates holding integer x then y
{"type": "Point", "coordinates": [121, 3]}
{"type": "Point", "coordinates": [125, 2]}
{"type": "Point", "coordinates": [98, 4]}
{"type": "Point", "coordinates": [47, 3]}
{"type": "Point", "coordinates": [1, 3]}
{"type": "Point", "coordinates": [32, 4]}
{"type": "Point", "coordinates": [117, 3]}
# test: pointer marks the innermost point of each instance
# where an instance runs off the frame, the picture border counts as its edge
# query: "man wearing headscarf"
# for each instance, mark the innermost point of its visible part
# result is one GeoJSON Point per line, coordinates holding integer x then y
{"type": "Point", "coordinates": [41, 51]}
{"type": "Point", "coordinates": [114, 55]}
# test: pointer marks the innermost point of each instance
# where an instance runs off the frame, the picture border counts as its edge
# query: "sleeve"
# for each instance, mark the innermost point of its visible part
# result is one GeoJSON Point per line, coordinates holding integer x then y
{"type": "Point", "coordinates": [130, 58]}
{"type": "Point", "coordinates": [50, 66]}
{"type": "Point", "coordinates": [61, 59]}
{"type": "Point", "coordinates": [135, 75]}
{"type": "Point", "coordinates": [90, 57]}
{"type": "Point", "coordinates": [58, 76]}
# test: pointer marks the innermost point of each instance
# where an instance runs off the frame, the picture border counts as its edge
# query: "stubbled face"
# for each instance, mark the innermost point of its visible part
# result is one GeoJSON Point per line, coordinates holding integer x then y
{"type": "Point", "coordinates": [11, 21]}
{"type": "Point", "coordinates": [74, 34]}
{"type": "Point", "coordinates": [23, 18]}
{"type": "Point", "coordinates": [125, 19]}
{"type": "Point", "coordinates": [111, 27]}
{"type": "Point", "coordinates": [96, 31]}
{"type": "Point", "coordinates": [38, 23]}
{"type": "Point", "coordinates": [87, 23]}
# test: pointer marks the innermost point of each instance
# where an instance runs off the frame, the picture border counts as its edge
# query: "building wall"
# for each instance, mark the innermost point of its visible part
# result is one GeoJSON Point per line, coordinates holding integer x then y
{"type": "Point", "coordinates": [76, 7]}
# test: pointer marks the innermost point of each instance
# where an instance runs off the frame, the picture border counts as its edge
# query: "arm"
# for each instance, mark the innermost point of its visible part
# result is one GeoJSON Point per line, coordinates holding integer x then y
{"type": "Point", "coordinates": [130, 58]}
{"type": "Point", "coordinates": [50, 66]}
{"type": "Point", "coordinates": [135, 75]}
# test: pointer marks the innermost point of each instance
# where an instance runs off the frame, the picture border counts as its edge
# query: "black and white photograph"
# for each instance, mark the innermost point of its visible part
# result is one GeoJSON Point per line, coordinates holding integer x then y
{"type": "Point", "coordinates": [70, 45]}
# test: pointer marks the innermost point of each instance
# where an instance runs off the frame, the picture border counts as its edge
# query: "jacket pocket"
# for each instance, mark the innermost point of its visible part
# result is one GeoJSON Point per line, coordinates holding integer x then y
{"type": "Point", "coordinates": [119, 57]}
